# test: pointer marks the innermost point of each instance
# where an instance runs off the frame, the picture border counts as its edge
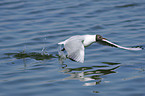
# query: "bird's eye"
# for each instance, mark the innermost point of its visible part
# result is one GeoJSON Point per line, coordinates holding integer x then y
{"type": "Point", "coordinates": [100, 37]}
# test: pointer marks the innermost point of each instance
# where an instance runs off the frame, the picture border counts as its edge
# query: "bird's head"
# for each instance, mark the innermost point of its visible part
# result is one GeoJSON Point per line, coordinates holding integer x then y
{"type": "Point", "coordinates": [99, 38]}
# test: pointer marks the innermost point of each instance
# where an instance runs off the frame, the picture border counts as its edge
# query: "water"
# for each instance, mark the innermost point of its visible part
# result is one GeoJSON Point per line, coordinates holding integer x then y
{"type": "Point", "coordinates": [31, 29]}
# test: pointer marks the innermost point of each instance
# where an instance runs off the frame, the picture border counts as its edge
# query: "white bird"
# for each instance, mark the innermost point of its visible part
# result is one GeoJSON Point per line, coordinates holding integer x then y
{"type": "Point", "coordinates": [75, 45]}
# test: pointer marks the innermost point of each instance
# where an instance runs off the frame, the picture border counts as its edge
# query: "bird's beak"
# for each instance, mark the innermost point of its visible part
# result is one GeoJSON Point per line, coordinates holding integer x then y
{"type": "Point", "coordinates": [104, 39]}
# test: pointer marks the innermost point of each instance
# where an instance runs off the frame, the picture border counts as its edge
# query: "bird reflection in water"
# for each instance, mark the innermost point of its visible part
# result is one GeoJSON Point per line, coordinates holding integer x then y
{"type": "Point", "coordinates": [91, 75]}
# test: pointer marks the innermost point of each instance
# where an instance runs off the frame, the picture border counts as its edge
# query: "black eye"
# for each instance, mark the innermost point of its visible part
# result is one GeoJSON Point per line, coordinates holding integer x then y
{"type": "Point", "coordinates": [99, 37]}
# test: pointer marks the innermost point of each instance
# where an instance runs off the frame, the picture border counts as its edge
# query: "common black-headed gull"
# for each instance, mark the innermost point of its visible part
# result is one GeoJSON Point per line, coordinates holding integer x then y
{"type": "Point", "coordinates": [75, 45]}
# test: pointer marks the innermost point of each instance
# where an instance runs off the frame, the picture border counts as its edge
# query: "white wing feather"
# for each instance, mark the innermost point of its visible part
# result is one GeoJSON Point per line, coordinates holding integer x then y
{"type": "Point", "coordinates": [75, 50]}
{"type": "Point", "coordinates": [118, 46]}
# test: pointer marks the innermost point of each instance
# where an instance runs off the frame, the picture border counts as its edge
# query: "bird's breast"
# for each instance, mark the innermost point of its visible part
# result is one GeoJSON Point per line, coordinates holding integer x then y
{"type": "Point", "coordinates": [86, 44]}
{"type": "Point", "coordinates": [89, 39]}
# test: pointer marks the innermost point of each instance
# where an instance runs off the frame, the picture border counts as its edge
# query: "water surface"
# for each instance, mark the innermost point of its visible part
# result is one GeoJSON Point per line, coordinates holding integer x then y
{"type": "Point", "coordinates": [29, 61]}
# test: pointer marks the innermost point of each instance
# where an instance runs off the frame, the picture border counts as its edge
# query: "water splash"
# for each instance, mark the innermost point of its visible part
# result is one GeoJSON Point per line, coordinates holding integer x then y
{"type": "Point", "coordinates": [33, 55]}
{"type": "Point", "coordinates": [61, 54]}
{"type": "Point", "coordinates": [43, 51]}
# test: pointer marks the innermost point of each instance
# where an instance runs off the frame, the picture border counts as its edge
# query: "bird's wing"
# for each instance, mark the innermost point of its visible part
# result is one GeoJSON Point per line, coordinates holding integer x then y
{"type": "Point", "coordinates": [106, 42]}
{"type": "Point", "coordinates": [75, 50]}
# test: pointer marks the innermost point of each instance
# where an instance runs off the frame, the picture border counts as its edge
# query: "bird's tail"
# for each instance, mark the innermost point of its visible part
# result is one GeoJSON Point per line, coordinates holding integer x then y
{"type": "Point", "coordinates": [60, 43]}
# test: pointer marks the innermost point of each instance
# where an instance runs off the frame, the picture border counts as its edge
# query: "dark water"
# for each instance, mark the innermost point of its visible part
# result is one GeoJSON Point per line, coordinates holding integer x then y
{"type": "Point", "coordinates": [31, 29]}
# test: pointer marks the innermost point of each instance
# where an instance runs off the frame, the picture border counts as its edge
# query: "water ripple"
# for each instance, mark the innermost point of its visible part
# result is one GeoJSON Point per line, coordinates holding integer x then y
{"type": "Point", "coordinates": [30, 31]}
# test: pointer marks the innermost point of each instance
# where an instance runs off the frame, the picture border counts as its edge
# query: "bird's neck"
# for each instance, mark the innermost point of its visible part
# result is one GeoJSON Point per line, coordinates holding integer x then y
{"type": "Point", "coordinates": [89, 39]}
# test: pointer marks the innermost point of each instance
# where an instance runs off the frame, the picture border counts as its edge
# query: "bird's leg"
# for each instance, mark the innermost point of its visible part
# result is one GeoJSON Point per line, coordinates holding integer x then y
{"type": "Point", "coordinates": [63, 49]}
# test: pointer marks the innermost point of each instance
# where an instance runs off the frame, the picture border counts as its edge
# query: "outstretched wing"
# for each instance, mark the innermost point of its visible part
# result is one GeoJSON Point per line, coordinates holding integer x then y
{"type": "Point", "coordinates": [75, 50]}
{"type": "Point", "coordinates": [106, 42]}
